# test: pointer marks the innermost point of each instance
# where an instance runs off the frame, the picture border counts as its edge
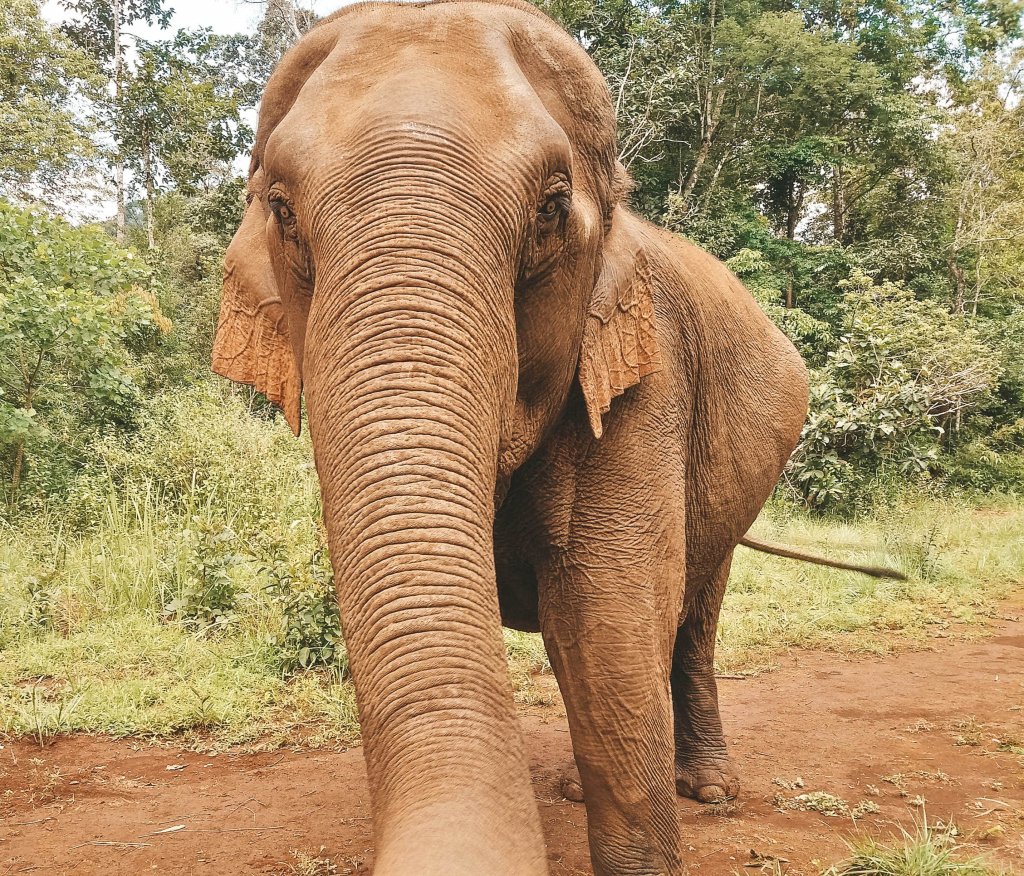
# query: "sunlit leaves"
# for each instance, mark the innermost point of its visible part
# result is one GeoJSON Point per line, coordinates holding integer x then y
{"type": "Point", "coordinates": [44, 79]}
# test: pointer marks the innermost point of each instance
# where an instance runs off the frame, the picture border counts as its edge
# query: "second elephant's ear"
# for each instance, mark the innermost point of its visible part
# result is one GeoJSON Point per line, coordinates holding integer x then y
{"type": "Point", "coordinates": [620, 344]}
{"type": "Point", "coordinates": [252, 344]}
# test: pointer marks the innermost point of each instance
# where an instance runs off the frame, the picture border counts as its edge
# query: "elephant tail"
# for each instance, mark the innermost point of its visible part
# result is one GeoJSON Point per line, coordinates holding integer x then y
{"type": "Point", "coordinates": [781, 550]}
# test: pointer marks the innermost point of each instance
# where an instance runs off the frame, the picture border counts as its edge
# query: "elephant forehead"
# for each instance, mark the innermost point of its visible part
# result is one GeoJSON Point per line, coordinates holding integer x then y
{"type": "Point", "coordinates": [362, 100]}
{"type": "Point", "coordinates": [486, 45]}
{"type": "Point", "coordinates": [431, 66]}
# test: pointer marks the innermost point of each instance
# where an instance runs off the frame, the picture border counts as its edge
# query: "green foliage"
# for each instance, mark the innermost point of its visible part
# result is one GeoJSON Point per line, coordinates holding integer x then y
{"type": "Point", "coordinates": [179, 114]}
{"type": "Point", "coordinates": [991, 463]}
{"type": "Point", "coordinates": [75, 316]}
{"type": "Point", "coordinates": [92, 23]}
{"type": "Point", "coordinates": [309, 634]}
{"type": "Point", "coordinates": [905, 373]}
{"type": "Point", "coordinates": [927, 852]}
{"type": "Point", "coordinates": [201, 448]}
{"type": "Point", "coordinates": [204, 595]}
{"type": "Point", "coordinates": [46, 141]}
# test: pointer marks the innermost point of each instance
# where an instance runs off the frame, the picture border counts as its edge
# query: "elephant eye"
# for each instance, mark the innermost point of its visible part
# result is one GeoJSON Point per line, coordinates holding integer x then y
{"type": "Point", "coordinates": [556, 200]}
{"type": "Point", "coordinates": [282, 208]}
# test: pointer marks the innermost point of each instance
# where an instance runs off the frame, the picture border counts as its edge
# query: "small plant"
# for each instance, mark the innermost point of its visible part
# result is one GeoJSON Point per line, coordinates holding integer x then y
{"type": "Point", "coordinates": [38, 611]}
{"type": "Point", "coordinates": [311, 865]}
{"type": "Point", "coordinates": [205, 713]}
{"type": "Point", "coordinates": [814, 801]}
{"type": "Point", "coordinates": [969, 733]}
{"type": "Point", "coordinates": [925, 554]}
{"type": "Point", "coordinates": [206, 596]}
{"type": "Point", "coordinates": [48, 722]}
{"type": "Point", "coordinates": [826, 804]}
{"type": "Point", "coordinates": [930, 851]}
{"type": "Point", "coordinates": [309, 634]}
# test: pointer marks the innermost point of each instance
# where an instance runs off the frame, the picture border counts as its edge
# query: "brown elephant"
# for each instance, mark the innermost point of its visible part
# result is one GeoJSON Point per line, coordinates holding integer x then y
{"type": "Point", "coordinates": [527, 405]}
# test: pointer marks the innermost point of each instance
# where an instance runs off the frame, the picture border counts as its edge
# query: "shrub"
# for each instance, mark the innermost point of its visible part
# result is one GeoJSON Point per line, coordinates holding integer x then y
{"type": "Point", "coordinates": [205, 592]}
{"type": "Point", "coordinates": [905, 373]}
{"type": "Point", "coordinates": [202, 448]}
{"type": "Point", "coordinates": [309, 634]}
{"type": "Point", "coordinates": [992, 463]}
{"type": "Point", "coordinates": [76, 314]}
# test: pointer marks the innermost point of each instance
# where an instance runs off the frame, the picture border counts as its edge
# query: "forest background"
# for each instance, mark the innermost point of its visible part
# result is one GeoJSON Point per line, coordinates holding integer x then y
{"type": "Point", "coordinates": [859, 165]}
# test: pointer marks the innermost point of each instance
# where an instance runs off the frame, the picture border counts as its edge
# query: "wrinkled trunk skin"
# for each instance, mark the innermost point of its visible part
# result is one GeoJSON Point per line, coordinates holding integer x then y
{"type": "Point", "coordinates": [410, 376]}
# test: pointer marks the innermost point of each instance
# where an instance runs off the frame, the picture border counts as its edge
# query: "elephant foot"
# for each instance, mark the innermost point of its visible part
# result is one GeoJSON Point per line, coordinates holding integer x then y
{"type": "Point", "coordinates": [570, 785]}
{"type": "Point", "coordinates": [712, 782]}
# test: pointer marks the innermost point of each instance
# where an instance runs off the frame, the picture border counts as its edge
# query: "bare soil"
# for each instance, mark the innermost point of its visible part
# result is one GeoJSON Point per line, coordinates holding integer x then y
{"type": "Point", "coordinates": [936, 734]}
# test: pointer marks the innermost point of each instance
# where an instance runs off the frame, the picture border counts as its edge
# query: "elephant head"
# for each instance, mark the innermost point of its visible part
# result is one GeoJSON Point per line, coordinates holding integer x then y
{"type": "Point", "coordinates": [431, 253]}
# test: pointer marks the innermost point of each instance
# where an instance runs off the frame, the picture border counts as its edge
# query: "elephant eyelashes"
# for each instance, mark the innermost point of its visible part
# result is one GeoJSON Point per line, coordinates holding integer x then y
{"type": "Point", "coordinates": [295, 254]}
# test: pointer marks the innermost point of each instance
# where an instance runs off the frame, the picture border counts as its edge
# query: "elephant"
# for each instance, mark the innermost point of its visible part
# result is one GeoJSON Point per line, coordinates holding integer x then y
{"type": "Point", "coordinates": [528, 406]}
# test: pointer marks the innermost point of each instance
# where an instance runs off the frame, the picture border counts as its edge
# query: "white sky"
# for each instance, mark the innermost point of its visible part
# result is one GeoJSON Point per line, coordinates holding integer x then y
{"type": "Point", "coordinates": [224, 16]}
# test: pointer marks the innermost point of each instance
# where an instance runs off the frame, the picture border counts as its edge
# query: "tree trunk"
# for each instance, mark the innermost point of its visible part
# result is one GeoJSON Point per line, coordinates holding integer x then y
{"type": "Point", "coordinates": [115, 8]}
{"type": "Point", "coordinates": [711, 110]}
{"type": "Point", "coordinates": [959, 283]}
{"type": "Point", "coordinates": [710, 125]}
{"type": "Point", "coordinates": [977, 285]}
{"type": "Point", "coordinates": [19, 462]}
{"type": "Point", "coordinates": [18, 466]}
{"type": "Point", "coordinates": [293, 20]}
{"type": "Point", "coordinates": [148, 172]}
{"type": "Point", "coordinates": [838, 205]}
{"type": "Point", "coordinates": [795, 205]}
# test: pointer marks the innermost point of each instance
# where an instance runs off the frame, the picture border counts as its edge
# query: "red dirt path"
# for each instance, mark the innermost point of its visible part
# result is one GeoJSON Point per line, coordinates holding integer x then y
{"type": "Point", "coordinates": [945, 726]}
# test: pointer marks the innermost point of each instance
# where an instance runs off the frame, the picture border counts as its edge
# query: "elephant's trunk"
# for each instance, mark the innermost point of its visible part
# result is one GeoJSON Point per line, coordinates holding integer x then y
{"type": "Point", "coordinates": [410, 375]}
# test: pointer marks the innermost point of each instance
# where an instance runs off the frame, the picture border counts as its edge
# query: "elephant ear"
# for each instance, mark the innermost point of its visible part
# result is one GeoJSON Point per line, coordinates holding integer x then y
{"type": "Point", "coordinates": [252, 344]}
{"type": "Point", "coordinates": [620, 344]}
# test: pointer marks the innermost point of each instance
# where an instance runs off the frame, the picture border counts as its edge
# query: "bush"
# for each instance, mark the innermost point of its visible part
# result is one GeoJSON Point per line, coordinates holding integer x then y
{"type": "Point", "coordinates": [77, 313]}
{"type": "Point", "coordinates": [203, 448]}
{"type": "Point", "coordinates": [205, 592]}
{"type": "Point", "coordinates": [309, 634]}
{"type": "Point", "coordinates": [993, 463]}
{"type": "Point", "coordinates": [904, 375]}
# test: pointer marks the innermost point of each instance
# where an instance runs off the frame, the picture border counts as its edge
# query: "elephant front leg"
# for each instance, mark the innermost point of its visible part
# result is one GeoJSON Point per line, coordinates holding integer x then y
{"type": "Point", "coordinates": [703, 768]}
{"type": "Point", "coordinates": [615, 685]}
{"type": "Point", "coordinates": [608, 598]}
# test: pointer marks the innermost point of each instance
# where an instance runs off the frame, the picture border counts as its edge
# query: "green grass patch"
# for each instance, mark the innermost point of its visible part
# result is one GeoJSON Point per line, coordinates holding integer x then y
{"type": "Point", "coordinates": [960, 559]}
{"type": "Point", "coordinates": [926, 852]}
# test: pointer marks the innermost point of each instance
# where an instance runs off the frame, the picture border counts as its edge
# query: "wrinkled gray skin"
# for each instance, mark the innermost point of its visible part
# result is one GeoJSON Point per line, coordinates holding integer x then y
{"type": "Point", "coordinates": [527, 406]}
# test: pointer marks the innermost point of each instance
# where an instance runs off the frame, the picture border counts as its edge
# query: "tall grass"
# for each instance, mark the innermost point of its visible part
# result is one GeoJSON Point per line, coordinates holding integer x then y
{"type": "Point", "coordinates": [87, 641]}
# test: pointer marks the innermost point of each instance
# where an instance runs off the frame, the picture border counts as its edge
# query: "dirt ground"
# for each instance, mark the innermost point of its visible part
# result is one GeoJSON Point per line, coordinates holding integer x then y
{"type": "Point", "coordinates": [936, 734]}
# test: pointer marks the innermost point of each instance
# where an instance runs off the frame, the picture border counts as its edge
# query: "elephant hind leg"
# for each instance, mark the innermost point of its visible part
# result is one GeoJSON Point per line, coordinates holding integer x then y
{"type": "Point", "coordinates": [703, 768]}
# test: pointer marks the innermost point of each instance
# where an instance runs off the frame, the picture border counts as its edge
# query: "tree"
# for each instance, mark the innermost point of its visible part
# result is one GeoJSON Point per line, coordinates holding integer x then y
{"type": "Point", "coordinates": [282, 25]}
{"type": "Point", "coordinates": [46, 140]}
{"type": "Point", "coordinates": [99, 29]}
{"type": "Point", "coordinates": [75, 312]}
{"type": "Point", "coordinates": [985, 192]}
{"type": "Point", "coordinates": [180, 113]}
